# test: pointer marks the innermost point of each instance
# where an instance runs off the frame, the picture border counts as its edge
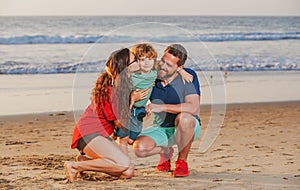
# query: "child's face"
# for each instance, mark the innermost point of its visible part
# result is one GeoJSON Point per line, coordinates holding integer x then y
{"type": "Point", "coordinates": [146, 64]}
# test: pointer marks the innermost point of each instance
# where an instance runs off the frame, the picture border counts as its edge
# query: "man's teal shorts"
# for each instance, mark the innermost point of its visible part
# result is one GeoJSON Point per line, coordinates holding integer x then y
{"type": "Point", "coordinates": [165, 136]}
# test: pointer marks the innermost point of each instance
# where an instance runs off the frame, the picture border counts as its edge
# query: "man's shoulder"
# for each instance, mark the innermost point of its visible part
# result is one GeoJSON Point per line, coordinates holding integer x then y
{"type": "Point", "coordinates": [195, 84]}
{"type": "Point", "coordinates": [193, 73]}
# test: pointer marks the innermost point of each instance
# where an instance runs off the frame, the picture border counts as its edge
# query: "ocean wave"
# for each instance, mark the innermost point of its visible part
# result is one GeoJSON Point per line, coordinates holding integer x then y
{"type": "Point", "coordinates": [216, 37]}
{"type": "Point", "coordinates": [18, 68]}
{"type": "Point", "coordinates": [15, 67]}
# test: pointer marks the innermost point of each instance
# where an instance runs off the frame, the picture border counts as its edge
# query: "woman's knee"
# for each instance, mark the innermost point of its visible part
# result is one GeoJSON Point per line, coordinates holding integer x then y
{"type": "Point", "coordinates": [111, 152]}
{"type": "Point", "coordinates": [122, 161]}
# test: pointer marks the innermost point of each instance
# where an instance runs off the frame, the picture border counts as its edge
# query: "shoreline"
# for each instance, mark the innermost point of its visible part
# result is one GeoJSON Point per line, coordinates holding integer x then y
{"type": "Point", "coordinates": [63, 92]}
{"type": "Point", "coordinates": [203, 106]}
{"type": "Point", "coordinates": [258, 147]}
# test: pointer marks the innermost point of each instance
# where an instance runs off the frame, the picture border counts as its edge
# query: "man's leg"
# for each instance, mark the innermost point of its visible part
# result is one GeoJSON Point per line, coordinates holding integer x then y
{"type": "Point", "coordinates": [150, 142]}
{"type": "Point", "coordinates": [144, 146]}
{"type": "Point", "coordinates": [154, 140]}
{"type": "Point", "coordinates": [185, 133]}
{"type": "Point", "coordinates": [185, 124]}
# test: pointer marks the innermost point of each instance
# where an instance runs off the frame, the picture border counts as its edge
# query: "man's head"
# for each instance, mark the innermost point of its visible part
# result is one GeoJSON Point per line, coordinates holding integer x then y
{"type": "Point", "coordinates": [173, 58]}
{"type": "Point", "coordinates": [179, 51]}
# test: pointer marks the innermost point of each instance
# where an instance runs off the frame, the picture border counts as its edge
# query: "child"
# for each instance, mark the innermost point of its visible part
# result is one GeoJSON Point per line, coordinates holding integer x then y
{"type": "Point", "coordinates": [143, 79]}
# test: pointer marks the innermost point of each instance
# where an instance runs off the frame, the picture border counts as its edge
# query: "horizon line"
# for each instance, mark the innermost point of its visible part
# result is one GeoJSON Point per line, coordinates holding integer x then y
{"type": "Point", "coordinates": [132, 15]}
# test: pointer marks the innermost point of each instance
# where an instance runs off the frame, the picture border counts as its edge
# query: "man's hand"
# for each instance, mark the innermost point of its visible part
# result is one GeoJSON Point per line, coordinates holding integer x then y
{"type": "Point", "coordinates": [191, 105]}
{"type": "Point", "coordinates": [154, 108]}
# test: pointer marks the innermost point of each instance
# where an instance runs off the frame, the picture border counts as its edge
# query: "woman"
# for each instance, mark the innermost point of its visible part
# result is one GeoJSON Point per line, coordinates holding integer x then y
{"type": "Point", "coordinates": [92, 131]}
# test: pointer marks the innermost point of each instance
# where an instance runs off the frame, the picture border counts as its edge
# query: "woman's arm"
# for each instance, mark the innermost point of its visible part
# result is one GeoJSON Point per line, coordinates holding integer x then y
{"type": "Point", "coordinates": [138, 95]}
{"type": "Point", "coordinates": [118, 124]}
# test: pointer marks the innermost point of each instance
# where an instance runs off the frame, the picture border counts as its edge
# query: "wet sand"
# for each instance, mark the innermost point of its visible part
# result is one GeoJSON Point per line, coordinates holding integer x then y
{"type": "Point", "coordinates": [258, 148]}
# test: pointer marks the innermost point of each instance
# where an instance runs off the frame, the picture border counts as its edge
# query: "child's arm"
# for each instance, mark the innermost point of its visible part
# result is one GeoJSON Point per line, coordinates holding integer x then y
{"type": "Point", "coordinates": [186, 77]}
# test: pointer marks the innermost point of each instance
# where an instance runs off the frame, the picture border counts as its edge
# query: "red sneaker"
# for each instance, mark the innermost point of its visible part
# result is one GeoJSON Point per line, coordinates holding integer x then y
{"type": "Point", "coordinates": [164, 164]}
{"type": "Point", "coordinates": [181, 169]}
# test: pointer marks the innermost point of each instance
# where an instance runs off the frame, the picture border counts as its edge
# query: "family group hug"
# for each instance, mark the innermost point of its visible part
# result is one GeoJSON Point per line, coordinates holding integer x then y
{"type": "Point", "coordinates": [134, 85]}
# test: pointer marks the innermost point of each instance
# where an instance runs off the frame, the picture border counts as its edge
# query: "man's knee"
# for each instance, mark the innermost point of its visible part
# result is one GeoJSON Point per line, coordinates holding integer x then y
{"type": "Point", "coordinates": [185, 121]}
{"type": "Point", "coordinates": [142, 145]}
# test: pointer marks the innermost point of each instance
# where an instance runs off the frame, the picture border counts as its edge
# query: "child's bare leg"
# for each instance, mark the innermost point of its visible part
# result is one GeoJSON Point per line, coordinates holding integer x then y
{"type": "Point", "coordinates": [123, 143]}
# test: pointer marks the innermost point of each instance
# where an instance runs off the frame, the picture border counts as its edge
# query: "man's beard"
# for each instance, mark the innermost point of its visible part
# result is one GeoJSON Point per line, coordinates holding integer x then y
{"type": "Point", "coordinates": [162, 75]}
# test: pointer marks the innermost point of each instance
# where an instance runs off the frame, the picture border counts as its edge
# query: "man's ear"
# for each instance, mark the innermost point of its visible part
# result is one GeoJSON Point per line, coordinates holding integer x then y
{"type": "Point", "coordinates": [179, 68]}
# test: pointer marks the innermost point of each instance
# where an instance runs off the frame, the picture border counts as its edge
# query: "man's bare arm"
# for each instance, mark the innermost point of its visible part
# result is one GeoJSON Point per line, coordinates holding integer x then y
{"type": "Point", "coordinates": [191, 105]}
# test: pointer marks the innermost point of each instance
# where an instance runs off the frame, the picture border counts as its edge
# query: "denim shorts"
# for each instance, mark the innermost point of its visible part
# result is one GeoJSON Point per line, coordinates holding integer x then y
{"type": "Point", "coordinates": [85, 140]}
{"type": "Point", "coordinates": [82, 142]}
{"type": "Point", "coordinates": [134, 126]}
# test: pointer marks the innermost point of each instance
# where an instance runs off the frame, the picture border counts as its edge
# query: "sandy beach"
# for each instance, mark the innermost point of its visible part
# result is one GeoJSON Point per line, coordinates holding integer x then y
{"type": "Point", "coordinates": [248, 68]}
{"type": "Point", "coordinates": [258, 148]}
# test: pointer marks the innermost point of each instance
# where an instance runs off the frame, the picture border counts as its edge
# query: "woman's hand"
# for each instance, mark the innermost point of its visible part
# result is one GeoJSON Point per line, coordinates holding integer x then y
{"type": "Point", "coordinates": [118, 124]}
{"type": "Point", "coordinates": [138, 95]}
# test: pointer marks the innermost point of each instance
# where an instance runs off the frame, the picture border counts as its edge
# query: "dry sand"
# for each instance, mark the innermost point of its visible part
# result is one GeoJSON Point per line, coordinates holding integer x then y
{"type": "Point", "coordinates": [258, 148]}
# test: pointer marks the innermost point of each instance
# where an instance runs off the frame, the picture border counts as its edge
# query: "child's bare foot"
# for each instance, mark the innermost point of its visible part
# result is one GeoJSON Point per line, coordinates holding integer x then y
{"type": "Point", "coordinates": [130, 141]}
{"type": "Point", "coordinates": [113, 137]}
{"type": "Point", "coordinates": [70, 171]}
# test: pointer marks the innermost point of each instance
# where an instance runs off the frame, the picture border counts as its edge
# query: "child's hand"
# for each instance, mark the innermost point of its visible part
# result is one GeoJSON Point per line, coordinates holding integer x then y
{"type": "Point", "coordinates": [186, 77]}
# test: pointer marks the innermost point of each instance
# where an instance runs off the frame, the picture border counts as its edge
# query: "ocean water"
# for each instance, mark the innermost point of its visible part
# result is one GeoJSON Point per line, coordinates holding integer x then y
{"type": "Point", "coordinates": [51, 45]}
{"type": "Point", "coordinates": [51, 63]}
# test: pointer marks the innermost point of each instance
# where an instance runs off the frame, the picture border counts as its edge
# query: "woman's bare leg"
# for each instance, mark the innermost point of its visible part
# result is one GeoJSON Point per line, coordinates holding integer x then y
{"type": "Point", "coordinates": [123, 144]}
{"type": "Point", "coordinates": [107, 158]}
{"type": "Point", "coordinates": [82, 158]}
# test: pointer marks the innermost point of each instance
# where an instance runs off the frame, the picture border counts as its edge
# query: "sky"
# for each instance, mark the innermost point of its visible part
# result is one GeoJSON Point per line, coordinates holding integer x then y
{"type": "Point", "coordinates": [151, 7]}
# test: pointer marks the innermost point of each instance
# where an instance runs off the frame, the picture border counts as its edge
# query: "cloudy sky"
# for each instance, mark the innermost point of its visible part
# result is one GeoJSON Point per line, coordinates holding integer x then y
{"type": "Point", "coordinates": [150, 7]}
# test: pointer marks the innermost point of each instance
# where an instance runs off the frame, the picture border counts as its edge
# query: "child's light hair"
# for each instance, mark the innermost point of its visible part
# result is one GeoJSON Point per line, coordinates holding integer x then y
{"type": "Point", "coordinates": [144, 50]}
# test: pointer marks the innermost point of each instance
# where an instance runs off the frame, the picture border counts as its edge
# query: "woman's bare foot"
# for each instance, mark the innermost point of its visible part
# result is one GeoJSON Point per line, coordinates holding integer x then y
{"type": "Point", "coordinates": [129, 173]}
{"type": "Point", "coordinates": [71, 172]}
{"type": "Point", "coordinates": [82, 158]}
